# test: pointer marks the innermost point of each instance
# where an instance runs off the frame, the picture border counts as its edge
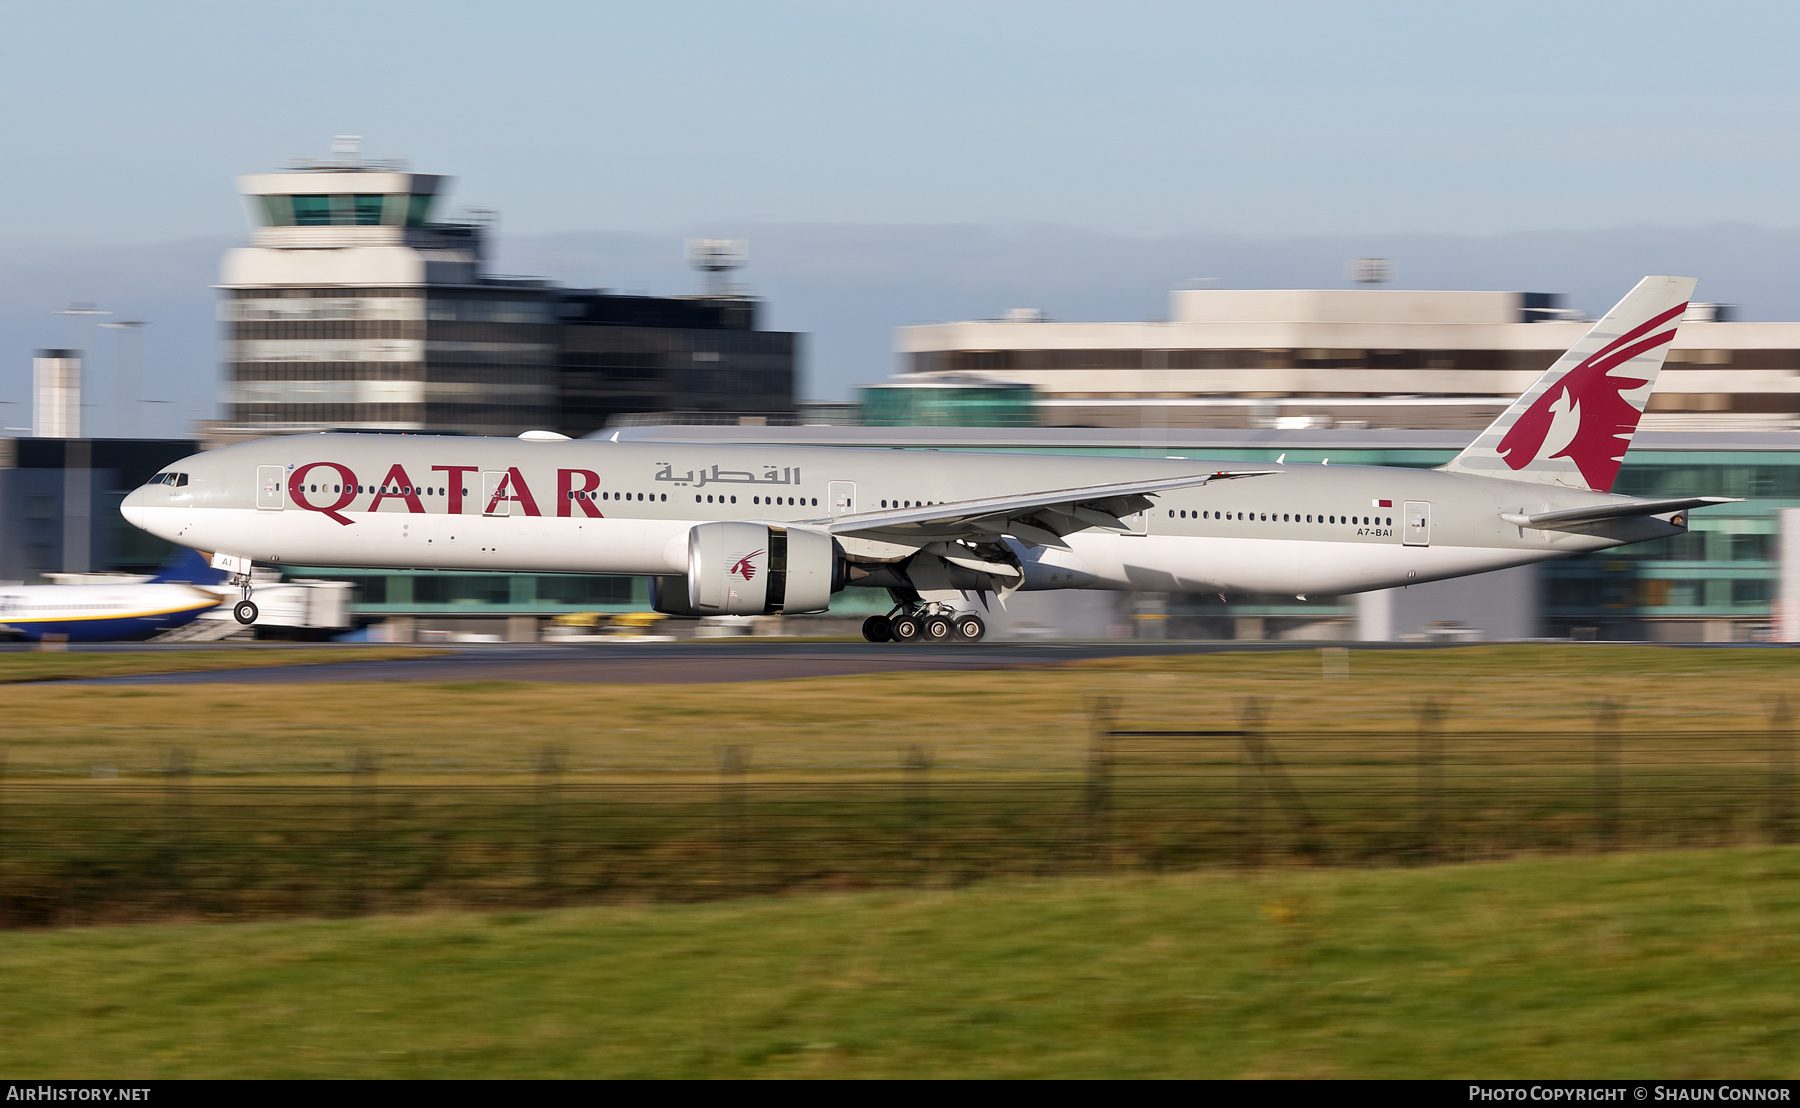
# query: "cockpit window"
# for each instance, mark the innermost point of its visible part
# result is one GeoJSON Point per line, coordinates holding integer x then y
{"type": "Point", "coordinates": [176, 479]}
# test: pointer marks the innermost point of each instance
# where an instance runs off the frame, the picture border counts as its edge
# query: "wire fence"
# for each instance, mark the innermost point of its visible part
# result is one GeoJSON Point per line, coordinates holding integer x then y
{"type": "Point", "coordinates": [1152, 796]}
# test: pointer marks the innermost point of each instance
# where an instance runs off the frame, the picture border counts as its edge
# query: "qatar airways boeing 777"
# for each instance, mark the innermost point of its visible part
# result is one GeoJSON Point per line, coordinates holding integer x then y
{"type": "Point", "coordinates": [742, 530]}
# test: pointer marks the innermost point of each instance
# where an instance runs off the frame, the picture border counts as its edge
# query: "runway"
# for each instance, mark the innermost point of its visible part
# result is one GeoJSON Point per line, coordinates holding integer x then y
{"type": "Point", "coordinates": [686, 663]}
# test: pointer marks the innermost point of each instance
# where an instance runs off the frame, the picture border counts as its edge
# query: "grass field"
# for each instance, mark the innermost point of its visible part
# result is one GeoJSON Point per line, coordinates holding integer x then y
{"type": "Point", "coordinates": [64, 666]}
{"type": "Point", "coordinates": [1031, 721]}
{"type": "Point", "coordinates": [1676, 965]}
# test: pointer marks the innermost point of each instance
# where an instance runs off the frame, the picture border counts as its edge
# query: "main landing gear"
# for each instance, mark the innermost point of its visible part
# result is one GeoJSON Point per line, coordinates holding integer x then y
{"type": "Point", "coordinates": [925, 626]}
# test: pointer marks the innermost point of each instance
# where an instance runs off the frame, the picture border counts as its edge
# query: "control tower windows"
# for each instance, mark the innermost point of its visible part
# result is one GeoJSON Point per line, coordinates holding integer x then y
{"type": "Point", "coordinates": [372, 209]}
{"type": "Point", "coordinates": [312, 211]}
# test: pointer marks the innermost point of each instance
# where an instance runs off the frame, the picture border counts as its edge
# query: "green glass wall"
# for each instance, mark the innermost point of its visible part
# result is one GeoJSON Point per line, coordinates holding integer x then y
{"type": "Point", "coordinates": [951, 406]}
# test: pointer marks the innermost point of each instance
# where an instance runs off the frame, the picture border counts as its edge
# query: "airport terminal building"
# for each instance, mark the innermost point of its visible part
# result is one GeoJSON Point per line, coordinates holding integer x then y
{"type": "Point", "coordinates": [1345, 358]}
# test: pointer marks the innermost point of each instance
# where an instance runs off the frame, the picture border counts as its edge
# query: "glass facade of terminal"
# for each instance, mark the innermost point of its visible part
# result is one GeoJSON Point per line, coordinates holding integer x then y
{"type": "Point", "coordinates": [924, 405]}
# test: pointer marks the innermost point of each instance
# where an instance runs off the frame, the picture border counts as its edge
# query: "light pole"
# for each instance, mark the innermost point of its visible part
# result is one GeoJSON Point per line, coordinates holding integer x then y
{"type": "Point", "coordinates": [130, 370]}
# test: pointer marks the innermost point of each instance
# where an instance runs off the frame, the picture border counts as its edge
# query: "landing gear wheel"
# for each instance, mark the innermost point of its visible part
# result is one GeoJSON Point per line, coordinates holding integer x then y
{"type": "Point", "coordinates": [969, 628]}
{"type": "Point", "coordinates": [936, 629]}
{"type": "Point", "coordinates": [906, 628]}
{"type": "Point", "coordinates": [878, 629]}
{"type": "Point", "coordinates": [245, 612]}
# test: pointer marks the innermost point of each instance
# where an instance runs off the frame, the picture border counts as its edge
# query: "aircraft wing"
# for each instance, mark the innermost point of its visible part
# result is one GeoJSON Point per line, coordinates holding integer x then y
{"type": "Point", "coordinates": [1614, 511]}
{"type": "Point", "coordinates": [1037, 519]}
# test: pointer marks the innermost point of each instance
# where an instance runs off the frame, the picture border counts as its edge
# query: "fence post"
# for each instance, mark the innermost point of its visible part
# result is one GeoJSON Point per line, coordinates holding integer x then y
{"type": "Point", "coordinates": [918, 809]}
{"type": "Point", "coordinates": [364, 826]}
{"type": "Point", "coordinates": [549, 811]}
{"type": "Point", "coordinates": [1781, 772]}
{"type": "Point", "coordinates": [1099, 780]}
{"type": "Point", "coordinates": [1608, 787]}
{"type": "Point", "coordinates": [1250, 786]}
{"type": "Point", "coordinates": [175, 801]}
{"type": "Point", "coordinates": [731, 819]}
{"type": "Point", "coordinates": [1431, 778]}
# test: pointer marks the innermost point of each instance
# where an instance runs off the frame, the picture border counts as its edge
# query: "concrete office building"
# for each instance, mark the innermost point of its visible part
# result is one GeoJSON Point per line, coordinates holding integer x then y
{"type": "Point", "coordinates": [1378, 358]}
{"type": "Point", "coordinates": [354, 305]}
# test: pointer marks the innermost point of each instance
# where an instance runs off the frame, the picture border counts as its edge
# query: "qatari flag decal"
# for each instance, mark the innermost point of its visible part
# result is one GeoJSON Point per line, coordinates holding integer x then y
{"type": "Point", "coordinates": [1382, 503]}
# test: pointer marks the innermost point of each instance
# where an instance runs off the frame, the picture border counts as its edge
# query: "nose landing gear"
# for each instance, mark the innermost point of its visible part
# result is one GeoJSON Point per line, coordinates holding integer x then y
{"type": "Point", "coordinates": [244, 611]}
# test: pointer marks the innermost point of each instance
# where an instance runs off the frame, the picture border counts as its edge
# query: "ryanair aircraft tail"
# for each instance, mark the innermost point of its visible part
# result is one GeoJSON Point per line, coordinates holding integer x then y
{"type": "Point", "coordinates": [1574, 424]}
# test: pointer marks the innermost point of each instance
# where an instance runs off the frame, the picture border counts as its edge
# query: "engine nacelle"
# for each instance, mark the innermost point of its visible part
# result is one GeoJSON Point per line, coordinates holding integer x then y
{"type": "Point", "coordinates": [751, 569]}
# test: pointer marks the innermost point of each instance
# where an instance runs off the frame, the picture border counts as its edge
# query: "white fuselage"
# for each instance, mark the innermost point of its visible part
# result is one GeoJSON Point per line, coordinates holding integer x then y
{"type": "Point", "coordinates": [597, 507]}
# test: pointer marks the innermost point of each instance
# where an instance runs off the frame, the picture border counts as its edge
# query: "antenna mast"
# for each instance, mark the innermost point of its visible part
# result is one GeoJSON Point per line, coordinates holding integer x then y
{"type": "Point", "coordinates": [717, 258]}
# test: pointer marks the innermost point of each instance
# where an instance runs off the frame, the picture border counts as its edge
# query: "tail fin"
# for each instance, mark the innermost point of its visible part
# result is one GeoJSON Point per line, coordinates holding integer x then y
{"type": "Point", "coordinates": [187, 567]}
{"type": "Point", "coordinates": [1574, 424]}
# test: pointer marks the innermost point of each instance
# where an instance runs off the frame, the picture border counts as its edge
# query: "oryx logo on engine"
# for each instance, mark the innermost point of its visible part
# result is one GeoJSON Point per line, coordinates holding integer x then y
{"type": "Point", "coordinates": [744, 567]}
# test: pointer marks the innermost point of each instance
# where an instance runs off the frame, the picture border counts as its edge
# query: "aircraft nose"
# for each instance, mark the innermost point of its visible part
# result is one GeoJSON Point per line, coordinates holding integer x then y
{"type": "Point", "coordinates": [132, 508]}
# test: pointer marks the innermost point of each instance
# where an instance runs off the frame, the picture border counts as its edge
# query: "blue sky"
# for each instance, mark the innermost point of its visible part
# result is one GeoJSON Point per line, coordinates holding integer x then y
{"type": "Point", "coordinates": [1148, 118]}
{"type": "Point", "coordinates": [898, 162]}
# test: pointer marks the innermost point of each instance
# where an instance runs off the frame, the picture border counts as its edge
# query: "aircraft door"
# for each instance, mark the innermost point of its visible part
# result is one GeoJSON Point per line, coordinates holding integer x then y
{"type": "Point", "coordinates": [496, 498]}
{"type": "Point", "coordinates": [1418, 523]}
{"type": "Point", "coordinates": [843, 498]}
{"type": "Point", "coordinates": [1139, 522]}
{"type": "Point", "coordinates": [269, 488]}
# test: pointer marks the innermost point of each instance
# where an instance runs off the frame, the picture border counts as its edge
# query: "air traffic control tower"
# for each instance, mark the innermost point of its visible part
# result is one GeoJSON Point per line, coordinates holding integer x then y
{"type": "Point", "coordinates": [354, 307]}
{"type": "Point", "coordinates": [351, 307]}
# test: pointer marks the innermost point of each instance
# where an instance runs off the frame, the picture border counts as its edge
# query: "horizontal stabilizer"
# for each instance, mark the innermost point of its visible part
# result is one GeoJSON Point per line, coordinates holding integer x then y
{"type": "Point", "coordinates": [1614, 511]}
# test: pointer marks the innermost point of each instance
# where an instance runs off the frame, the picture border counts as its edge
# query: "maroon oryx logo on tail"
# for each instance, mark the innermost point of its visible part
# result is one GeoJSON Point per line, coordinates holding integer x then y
{"type": "Point", "coordinates": [1595, 399]}
{"type": "Point", "coordinates": [744, 567]}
